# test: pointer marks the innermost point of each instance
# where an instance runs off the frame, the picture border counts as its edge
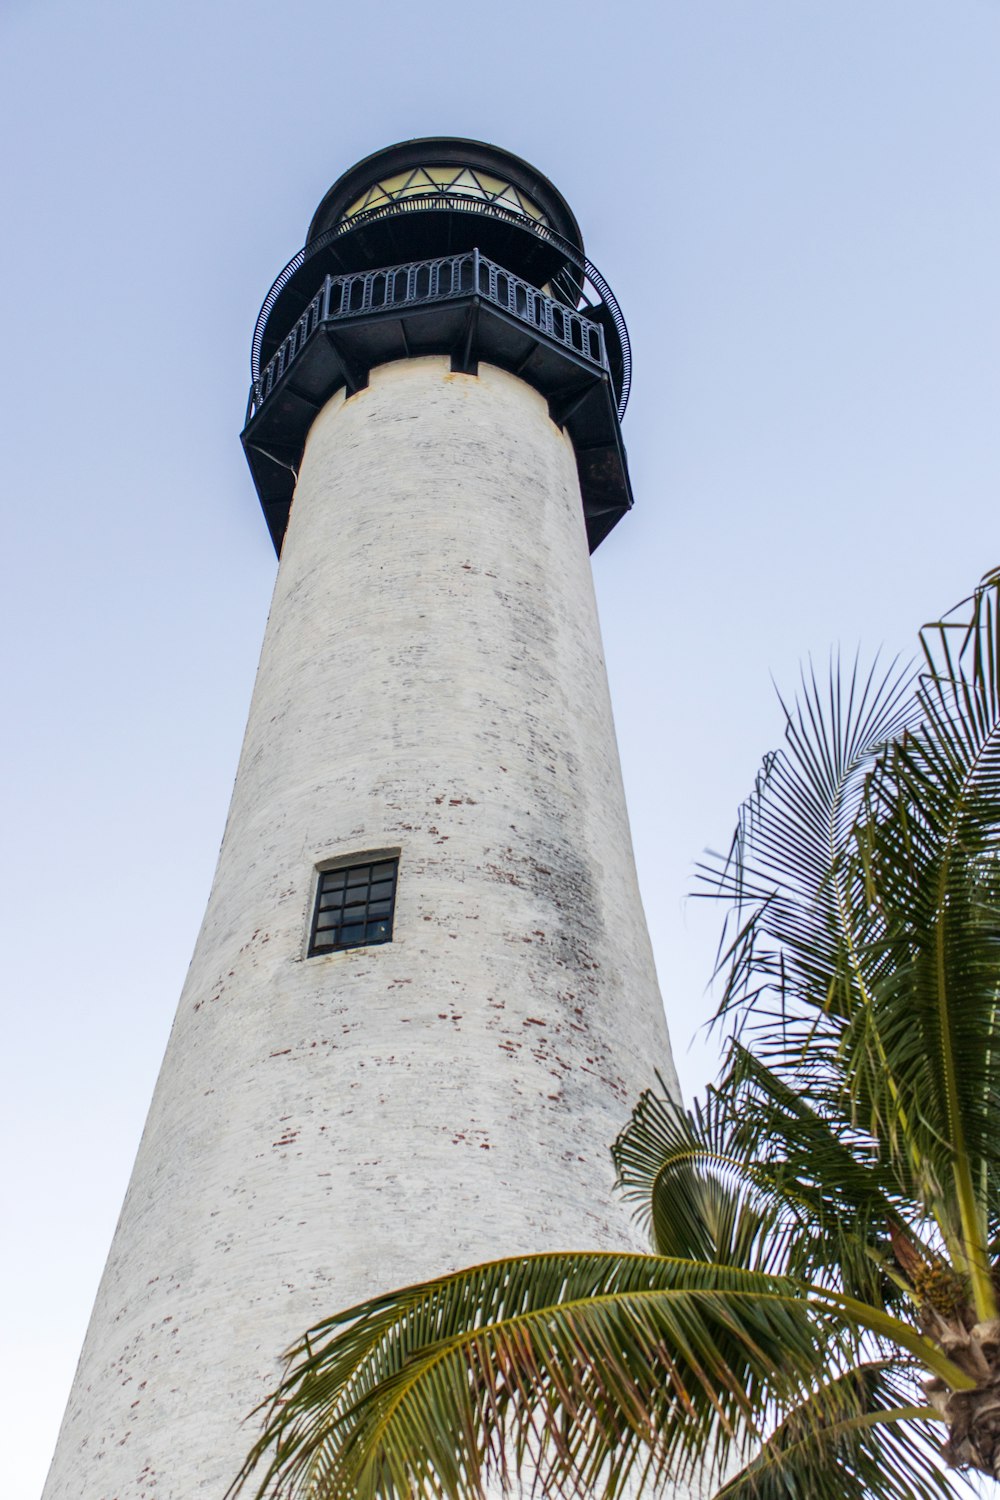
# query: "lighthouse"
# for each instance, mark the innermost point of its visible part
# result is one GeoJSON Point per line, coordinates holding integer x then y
{"type": "Point", "coordinates": [423, 998]}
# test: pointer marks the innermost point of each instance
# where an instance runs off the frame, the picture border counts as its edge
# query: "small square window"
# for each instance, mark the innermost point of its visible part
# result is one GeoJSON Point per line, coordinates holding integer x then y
{"type": "Point", "coordinates": [354, 906]}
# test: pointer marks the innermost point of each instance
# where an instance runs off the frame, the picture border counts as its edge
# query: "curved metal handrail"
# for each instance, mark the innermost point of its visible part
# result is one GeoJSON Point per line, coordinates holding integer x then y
{"type": "Point", "coordinates": [463, 204]}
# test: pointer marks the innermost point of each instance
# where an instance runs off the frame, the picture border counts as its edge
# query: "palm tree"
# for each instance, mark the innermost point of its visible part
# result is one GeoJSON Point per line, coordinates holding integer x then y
{"type": "Point", "coordinates": [819, 1313]}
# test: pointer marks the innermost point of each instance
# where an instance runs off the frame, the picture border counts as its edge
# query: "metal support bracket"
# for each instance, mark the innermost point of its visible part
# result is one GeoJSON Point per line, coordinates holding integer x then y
{"type": "Point", "coordinates": [355, 378]}
{"type": "Point", "coordinates": [561, 408]}
{"type": "Point", "coordinates": [280, 456]}
{"type": "Point", "coordinates": [462, 362]}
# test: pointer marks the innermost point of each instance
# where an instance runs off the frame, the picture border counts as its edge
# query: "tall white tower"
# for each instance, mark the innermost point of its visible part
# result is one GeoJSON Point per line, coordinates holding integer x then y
{"type": "Point", "coordinates": [423, 997]}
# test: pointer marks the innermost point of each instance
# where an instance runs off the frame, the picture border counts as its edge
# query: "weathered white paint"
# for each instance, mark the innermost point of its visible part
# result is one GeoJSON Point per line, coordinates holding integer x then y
{"type": "Point", "coordinates": [431, 680]}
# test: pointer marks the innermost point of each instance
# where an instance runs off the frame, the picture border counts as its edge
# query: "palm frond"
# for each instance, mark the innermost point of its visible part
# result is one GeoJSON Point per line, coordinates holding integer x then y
{"type": "Point", "coordinates": [929, 846]}
{"type": "Point", "coordinates": [865, 887]}
{"type": "Point", "coordinates": [695, 1188]}
{"type": "Point", "coordinates": [848, 1196]}
{"type": "Point", "coordinates": [589, 1370]}
{"type": "Point", "coordinates": [862, 1436]}
{"type": "Point", "coordinates": [755, 1176]}
{"type": "Point", "coordinates": [789, 949]}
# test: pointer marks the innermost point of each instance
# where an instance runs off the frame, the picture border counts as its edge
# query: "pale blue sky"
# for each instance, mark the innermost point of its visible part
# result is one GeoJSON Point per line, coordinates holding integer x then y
{"type": "Point", "coordinates": [796, 202]}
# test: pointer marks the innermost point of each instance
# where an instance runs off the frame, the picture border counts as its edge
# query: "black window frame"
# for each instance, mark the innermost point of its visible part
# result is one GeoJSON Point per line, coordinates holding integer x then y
{"type": "Point", "coordinates": [349, 886]}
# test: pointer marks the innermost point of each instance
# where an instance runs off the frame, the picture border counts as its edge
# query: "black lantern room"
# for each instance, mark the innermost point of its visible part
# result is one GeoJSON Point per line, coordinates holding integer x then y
{"type": "Point", "coordinates": [441, 246]}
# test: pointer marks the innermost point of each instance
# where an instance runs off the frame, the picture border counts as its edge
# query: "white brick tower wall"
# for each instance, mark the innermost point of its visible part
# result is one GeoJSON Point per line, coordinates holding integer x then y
{"type": "Point", "coordinates": [431, 683]}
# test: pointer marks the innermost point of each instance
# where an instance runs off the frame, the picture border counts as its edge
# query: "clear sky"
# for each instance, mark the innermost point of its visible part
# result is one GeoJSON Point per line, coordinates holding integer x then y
{"type": "Point", "coordinates": [796, 202]}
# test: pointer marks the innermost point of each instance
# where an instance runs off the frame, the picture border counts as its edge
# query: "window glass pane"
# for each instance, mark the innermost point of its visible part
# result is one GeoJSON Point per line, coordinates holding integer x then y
{"type": "Point", "coordinates": [354, 906]}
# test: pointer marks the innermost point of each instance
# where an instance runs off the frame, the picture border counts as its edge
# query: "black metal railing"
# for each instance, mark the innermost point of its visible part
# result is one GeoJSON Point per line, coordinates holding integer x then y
{"type": "Point", "coordinates": [450, 201]}
{"type": "Point", "coordinates": [397, 287]}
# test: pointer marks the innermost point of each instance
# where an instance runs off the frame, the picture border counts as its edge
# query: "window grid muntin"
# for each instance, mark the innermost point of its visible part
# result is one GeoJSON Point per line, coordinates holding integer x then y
{"type": "Point", "coordinates": [352, 889]}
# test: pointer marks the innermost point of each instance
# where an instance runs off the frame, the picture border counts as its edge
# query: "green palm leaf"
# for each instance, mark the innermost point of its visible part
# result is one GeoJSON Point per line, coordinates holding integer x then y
{"type": "Point", "coordinates": [929, 847]}
{"type": "Point", "coordinates": [853, 1438]}
{"type": "Point", "coordinates": [865, 884]}
{"type": "Point", "coordinates": [754, 1176]}
{"type": "Point", "coordinates": [793, 947]}
{"type": "Point", "coordinates": [590, 1370]}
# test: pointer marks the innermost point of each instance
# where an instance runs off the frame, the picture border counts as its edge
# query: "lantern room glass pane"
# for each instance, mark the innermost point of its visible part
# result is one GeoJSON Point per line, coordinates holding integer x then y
{"type": "Point", "coordinates": [457, 180]}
